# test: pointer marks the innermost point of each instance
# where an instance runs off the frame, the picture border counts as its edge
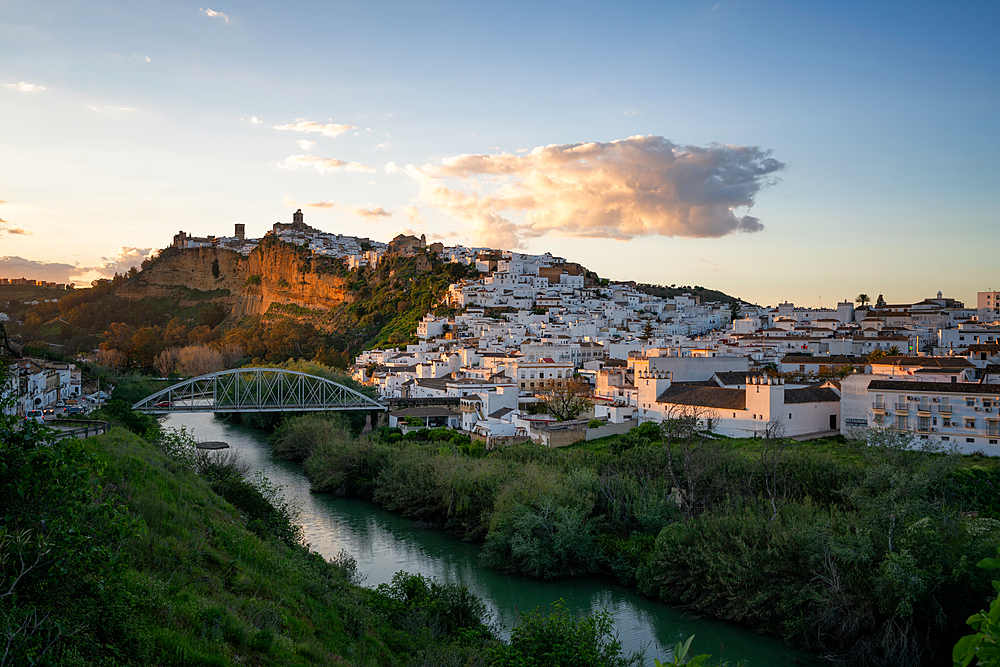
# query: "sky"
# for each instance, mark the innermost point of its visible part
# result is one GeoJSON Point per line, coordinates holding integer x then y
{"type": "Point", "coordinates": [800, 151]}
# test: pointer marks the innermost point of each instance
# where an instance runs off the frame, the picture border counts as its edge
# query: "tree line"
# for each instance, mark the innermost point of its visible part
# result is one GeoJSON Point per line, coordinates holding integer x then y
{"type": "Point", "coordinates": [863, 551]}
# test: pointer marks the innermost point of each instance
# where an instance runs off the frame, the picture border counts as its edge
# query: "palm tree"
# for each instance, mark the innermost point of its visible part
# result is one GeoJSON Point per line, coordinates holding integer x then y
{"type": "Point", "coordinates": [863, 300]}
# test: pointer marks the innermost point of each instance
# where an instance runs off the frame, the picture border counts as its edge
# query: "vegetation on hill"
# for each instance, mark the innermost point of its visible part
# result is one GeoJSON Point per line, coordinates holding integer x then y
{"type": "Point", "coordinates": [129, 550]}
{"type": "Point", "coordinates": [669, 291]}
{"type": "Point", "coordinates": [149, 334]}
{"type": "Point", "coordinates": [864, 551]}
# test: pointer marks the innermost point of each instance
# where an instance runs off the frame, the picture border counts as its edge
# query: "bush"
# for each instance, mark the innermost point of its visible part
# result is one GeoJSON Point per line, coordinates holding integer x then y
{"type": "Point", "coordinates": [560, 639]}
{"type": "Point", "coordinates": [546, 541]}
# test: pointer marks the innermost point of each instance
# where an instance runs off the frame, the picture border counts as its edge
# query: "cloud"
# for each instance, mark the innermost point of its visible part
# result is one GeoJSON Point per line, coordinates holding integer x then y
{"type": "Point", "coordinates": [322, 165]}
{"type": "Point", "coordinates": [362, 212]}
{"type": "Point", "coordinates": [255, 120]}
{"type": "Point", "coordinates": [18, 230]}
{"type": "Point", "coordinates": [18, 267]}
{"type": "Point", "coordinates": [126, 258]}
{"type": "Point", "coordinates": [23, 87]}
{"type": "Point", "coordinates": [413, 215]}
{"type": "Point", "coordinates": [640, 186]}
{"type": "Point", "coordinates": [384, 144]}
{"type": "Point", "coordinates": [366, 211]}
{"type": "Point", "coordinates": [148, 60]}
{"type": "Point", "coordinates": [630, 112]}
{"type": "Point", "coordinates": [305, 144]}
{"type": "Point", "coordinates": [212, 13]}
{"type": "Point", "coordinates": [326, 129]}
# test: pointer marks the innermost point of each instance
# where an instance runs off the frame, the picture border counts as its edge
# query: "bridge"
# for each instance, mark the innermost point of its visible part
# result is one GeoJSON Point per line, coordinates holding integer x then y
{"type": "Point", "coordinates": [256, 390]}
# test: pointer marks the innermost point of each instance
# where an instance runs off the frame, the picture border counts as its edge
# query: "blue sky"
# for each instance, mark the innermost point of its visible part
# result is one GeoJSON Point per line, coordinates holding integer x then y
{"type": "Point", "coordinates": [864, 134]}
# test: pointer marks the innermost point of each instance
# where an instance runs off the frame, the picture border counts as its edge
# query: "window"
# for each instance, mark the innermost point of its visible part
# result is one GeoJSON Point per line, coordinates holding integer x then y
{"type": "Point", "coordinates": [970, 439]}
{"type": "Point", "coordinates": [945, 438]}
{"type": "Point", "coordinates": [970, 423]}
{"type": "Point", "coordinates": [970, 402]}
{"type": "Point", "coordinates": [789, 415]}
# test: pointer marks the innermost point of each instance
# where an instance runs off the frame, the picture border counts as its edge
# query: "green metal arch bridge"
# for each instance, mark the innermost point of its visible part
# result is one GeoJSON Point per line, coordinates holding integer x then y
{"type": "Point", "coordinates": [256, 390]}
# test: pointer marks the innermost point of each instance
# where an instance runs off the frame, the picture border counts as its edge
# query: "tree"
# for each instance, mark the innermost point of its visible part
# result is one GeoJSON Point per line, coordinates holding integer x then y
{"type": "Point", "coordinates": [198, 360]}
{"type": "Point", "coordinates": [647, 331]}
{"type": "Point", "coordinates": [984, 645]}
{"type": "Point", "coordinates": [568, 400]}
{"type": "Point", "coordinates": [166, 361]}
{"type": "Point", "coordinates": [689, 454]}
{"type": "Point", "coordinates": [893, 351]}
{"type": "Point", "coordinates": [767, 470]}
{"type": "Point", "coordinates": [863, 299]}
{"type": "Point", "coordinates": [113, 360]}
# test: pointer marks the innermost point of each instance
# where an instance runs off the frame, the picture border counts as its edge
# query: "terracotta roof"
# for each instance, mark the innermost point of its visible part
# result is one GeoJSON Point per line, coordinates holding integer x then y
{"type": "Point", "coordinates": [707, 397]}
{"type": "Point", "coordinates": [811, 395]}
{"type": "Point", "coordinates": [926, 362]}
{"type": "Point", "coordinates": [727, 378]}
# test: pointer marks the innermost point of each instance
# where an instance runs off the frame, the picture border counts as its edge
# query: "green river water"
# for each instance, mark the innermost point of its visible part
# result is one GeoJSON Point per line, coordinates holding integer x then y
{"type": "Point", "coordinates": [383, 544]}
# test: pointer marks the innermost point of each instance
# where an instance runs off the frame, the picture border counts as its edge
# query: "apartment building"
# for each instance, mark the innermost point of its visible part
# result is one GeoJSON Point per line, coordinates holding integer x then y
{"type": "Point", "coordinates": [966, 414]}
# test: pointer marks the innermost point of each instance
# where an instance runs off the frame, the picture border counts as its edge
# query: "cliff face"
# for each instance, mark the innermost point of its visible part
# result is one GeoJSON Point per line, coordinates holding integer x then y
{"type": "Point", "coordinates": [273, 273]}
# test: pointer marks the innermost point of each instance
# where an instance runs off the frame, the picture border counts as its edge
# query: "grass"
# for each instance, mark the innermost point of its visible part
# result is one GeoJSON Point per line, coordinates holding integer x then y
{"type": "Point", "coordinates": [210, 592]}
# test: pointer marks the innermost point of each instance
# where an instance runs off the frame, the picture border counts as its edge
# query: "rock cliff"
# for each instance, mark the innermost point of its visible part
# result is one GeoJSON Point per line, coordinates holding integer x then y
{"type": "Point", "coordinates": [273, 273]}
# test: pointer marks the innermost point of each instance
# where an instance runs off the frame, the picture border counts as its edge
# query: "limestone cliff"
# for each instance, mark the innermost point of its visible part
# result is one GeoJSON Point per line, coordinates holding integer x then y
{"type": "Point", "coordinates": [273, 273]}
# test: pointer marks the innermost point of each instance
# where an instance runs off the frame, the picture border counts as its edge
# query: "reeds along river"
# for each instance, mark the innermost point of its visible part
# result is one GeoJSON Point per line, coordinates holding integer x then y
{"type": "Point", "coordinates": [383, 544]}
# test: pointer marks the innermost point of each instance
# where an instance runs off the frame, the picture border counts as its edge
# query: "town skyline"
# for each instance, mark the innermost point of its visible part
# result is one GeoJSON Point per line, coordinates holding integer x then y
{"type": "Point", "coordinates": [660, 145]}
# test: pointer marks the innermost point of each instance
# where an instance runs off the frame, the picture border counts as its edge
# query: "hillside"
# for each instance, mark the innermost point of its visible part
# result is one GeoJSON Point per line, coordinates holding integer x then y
{"type": "Point", "coordinates": [277, 303]}
{"type": "Point", "coordinates": [703, 293]}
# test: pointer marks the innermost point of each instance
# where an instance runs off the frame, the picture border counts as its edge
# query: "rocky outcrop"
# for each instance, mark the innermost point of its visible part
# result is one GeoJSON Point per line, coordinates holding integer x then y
{"type": "Point", "coordinates": [273, 273]}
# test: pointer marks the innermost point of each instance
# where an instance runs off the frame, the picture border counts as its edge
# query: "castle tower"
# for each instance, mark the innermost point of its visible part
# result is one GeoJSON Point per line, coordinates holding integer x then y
{"type": "Point", "coordinates": [241, 231]}
{"type": "Point", "coordinates": [297, 217]}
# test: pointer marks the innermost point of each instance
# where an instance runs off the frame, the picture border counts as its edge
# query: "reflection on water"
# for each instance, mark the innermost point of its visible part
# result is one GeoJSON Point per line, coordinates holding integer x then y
{"type": "Point", "coordinates": [383, 544]}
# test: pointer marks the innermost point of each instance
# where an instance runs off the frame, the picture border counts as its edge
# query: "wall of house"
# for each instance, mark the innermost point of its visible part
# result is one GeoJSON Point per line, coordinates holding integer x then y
{"type": "Point", "coordinates": [693, 369]}
{"type": "Point", "coordinates": [855, 403]}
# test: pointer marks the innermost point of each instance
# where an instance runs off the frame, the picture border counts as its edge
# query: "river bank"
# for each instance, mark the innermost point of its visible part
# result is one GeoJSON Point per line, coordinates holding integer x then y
{"type": "Point", "coordinates": [384, 543]}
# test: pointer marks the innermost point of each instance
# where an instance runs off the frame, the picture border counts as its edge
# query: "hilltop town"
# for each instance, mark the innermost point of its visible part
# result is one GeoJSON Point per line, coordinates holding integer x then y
{"type": "Point", "coordinates": [521, 328]}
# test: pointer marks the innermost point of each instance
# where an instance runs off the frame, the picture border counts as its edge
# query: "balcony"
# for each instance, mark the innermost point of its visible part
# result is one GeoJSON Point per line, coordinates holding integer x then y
{"type": "Point", "coordinates": [900, 407]}
{"type": "Point", "coordinates": [924, 409]}
{"type": "Point", "coordinates": [878, 408]}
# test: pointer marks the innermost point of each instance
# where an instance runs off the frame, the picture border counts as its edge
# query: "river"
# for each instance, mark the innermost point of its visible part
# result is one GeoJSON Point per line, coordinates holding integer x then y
{"type": "Point", "coordinates": [383, 544]}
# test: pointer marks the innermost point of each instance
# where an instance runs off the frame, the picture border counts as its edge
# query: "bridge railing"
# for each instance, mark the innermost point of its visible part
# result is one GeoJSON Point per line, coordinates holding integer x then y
{"type": "Point", "coordinates": [256, 390]}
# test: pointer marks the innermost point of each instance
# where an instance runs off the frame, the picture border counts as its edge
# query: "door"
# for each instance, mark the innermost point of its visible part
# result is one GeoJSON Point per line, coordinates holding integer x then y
{"type": "Point", "coordinates": [833, 422]}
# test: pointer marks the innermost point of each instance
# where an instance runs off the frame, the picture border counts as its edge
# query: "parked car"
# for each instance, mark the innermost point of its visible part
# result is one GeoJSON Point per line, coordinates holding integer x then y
{"type": "Point", "coordinates": [36, 415]}
{"type": "Point", "coordinates": [74, 410]}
